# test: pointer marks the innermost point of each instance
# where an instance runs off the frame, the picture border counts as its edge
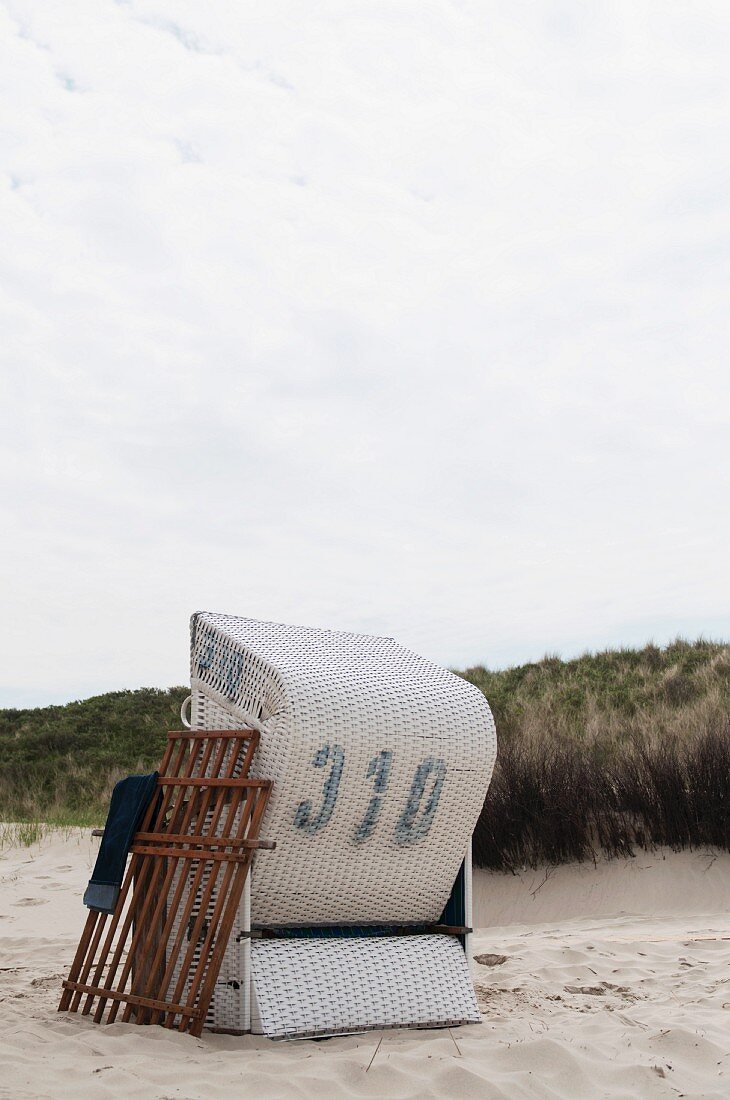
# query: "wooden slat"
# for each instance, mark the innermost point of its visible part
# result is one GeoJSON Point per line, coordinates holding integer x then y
{"type": "Point", "coordinates": [205, 782]}
{"type": "Point", "coordinates": [147, 1002]}
{"type": "Point", "coordinates": [192, 735]}
{"type": "Point", "coordinates": [84, 972]}
{"type": "Point", "coordinates": [192, 853]}
{"type": "Point", "coordinates": [206, 841]}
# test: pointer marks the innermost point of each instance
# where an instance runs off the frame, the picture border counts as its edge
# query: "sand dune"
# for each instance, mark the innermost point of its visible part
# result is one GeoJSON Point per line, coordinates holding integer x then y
{"type": "Point", "coordinates": [614, 982]}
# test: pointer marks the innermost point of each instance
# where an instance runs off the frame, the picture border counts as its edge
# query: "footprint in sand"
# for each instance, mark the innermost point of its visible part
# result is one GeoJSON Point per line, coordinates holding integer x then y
{"type": "Point", "coordinates": [32, 901]}
{"type": "Point", "coordinates": [491, 960]}
{"type": "Point", "coordinates": [52, 980]}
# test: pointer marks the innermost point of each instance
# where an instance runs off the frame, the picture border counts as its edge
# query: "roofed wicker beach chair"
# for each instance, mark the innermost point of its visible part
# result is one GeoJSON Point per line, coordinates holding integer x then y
{"type": "Point", "coordinates": [380, 762]}
{"type": "Point", "coordinates": [366, 767]}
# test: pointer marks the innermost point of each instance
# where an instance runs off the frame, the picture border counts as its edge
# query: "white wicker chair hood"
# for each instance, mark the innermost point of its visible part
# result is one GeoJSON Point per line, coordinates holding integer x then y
{"type": "Point", "coordinates": [380, 760]}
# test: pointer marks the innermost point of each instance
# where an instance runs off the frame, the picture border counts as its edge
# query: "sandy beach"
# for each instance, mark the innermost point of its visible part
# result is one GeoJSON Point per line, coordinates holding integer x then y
{"type": "Point", "coordinates": [608, 981]}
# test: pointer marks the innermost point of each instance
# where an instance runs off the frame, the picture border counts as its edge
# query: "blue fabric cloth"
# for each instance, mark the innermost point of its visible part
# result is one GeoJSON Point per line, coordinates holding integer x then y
{"type": "Point", "coordinates": [130, 799]}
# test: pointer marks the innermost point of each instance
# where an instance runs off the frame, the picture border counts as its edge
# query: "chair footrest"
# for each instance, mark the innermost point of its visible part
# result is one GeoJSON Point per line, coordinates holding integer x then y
{"type": "Point", "coordinates": [325, 986]}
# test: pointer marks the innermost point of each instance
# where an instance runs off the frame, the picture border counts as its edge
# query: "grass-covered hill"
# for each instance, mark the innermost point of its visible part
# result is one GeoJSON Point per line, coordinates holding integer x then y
{"type": "Point", "coordinates": [606, 752]}
{"type": "Point", "coordinates": [60, 763]}
{"type": "Point", "coordinates": [673, 690]}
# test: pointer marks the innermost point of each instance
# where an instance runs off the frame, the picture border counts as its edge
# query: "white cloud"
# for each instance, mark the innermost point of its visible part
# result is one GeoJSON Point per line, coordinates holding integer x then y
{"type": "Point", "coordinates": [405, 318]}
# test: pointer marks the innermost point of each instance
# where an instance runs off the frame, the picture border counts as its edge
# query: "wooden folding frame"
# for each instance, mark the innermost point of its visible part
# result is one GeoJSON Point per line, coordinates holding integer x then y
{"type": "Point", "coordinates": [160, 952]}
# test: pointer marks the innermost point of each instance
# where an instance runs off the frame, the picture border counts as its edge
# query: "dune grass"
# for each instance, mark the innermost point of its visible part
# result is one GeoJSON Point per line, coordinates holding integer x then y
{"type": "Point", "coordinates": [607, 753]}
{"type": "Point", "coordinates": [22, 834]}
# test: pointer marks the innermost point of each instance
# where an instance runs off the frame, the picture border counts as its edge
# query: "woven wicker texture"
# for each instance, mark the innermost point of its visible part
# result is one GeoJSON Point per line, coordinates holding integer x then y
{"type": "Point", "coordinates": [324, 986]}
{"type": "Point", "coordinates": [380, 760]}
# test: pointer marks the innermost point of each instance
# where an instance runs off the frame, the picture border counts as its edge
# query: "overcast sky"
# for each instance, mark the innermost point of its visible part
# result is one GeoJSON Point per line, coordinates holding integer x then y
{"type": "Point", "coordinates": [409, 318]}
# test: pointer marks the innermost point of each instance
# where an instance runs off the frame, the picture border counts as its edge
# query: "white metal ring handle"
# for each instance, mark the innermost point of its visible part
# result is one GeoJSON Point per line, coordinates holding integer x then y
{"type": "Point", "coordinates": [185, 713]}
{"type": "Point", "coordinates": [184, 718]}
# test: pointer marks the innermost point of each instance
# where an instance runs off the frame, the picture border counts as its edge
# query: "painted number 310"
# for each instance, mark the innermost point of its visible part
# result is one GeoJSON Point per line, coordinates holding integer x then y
{"type": "Point", "coordinates": [418, 813]}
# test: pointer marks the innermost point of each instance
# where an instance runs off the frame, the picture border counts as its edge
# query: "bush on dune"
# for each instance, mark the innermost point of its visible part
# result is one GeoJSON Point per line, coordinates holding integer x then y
{"type": "Point", "coordinates": [561, 801]}
{"type": "Point", "coordinates": [607, 753]}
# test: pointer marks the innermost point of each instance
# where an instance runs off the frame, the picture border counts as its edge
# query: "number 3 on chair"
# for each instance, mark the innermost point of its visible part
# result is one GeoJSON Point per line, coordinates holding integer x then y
{"type": "Point", "coordinates": [304, 818]}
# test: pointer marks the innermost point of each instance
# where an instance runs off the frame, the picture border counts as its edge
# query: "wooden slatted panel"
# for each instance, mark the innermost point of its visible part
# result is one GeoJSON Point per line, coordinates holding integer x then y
{"type": "Point", "coordinates": [159, 954]}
